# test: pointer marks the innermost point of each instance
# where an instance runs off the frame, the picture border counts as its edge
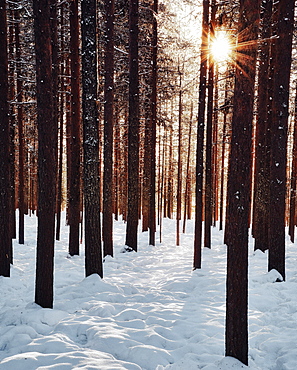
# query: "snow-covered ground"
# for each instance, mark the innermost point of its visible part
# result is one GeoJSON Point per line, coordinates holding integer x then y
{"type": "Point", "coordinates": [151, 311]}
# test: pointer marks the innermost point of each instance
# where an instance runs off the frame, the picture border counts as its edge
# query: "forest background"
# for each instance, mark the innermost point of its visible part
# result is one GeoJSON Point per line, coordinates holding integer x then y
{"type": "Point", "coordinates": [121, 108]}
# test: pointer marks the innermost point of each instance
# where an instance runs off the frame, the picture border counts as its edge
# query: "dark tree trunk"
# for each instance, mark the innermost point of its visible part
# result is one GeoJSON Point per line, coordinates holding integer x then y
{"type": "Point", "coordinates": [292, 219]}
{"type": "Point", "coordinates": [200, 138]}
{"type": "Point", "coordinates": [74, 196]}
{"type": "Point", "coordinates": [179, 162]}
{"type": "Point", "coordinates": [279, 131]}
{"type": "Point", "coordinates": [55, 71]}
{"type": "Point", "coordinates": [222, 174]}
{"type": "Point", "coordinates": [5, 204]}
{"type": "Point", "coordinates": [108, 127]}
{"type": "Point", "coordinates": [61, 127]}
{"type": "Point", "coordinates": [68, 137]}
{"type": "Point", "coordinates": [12, 93]}
{"type": "Point", "coordinates": [239, 180]}
{"type": "Point", "coordinates": [262, 160]}
{"type": "Point", "coordinates": [187, 209]}
{"type": "Point", "coordinates": [133, 129]}
{"type": "Point", "coordinates": [152, 206]}
{"type": "Point", "coordinates": [20, 115]}
{"type": "Point", "coordinates": [170, 176]}
{"type": "Point", "coordinates": [55, 61]}
{"type": "Point", "coordinates": [146, 172]}
{"type": "Point", "coordinates": [93, 253]}
{"type": "Point", "coordinates": [47, 150]}
{"type": "Point", "coordinates": [117, 168]}
{"type": "Point", "coordinates": [124, 174]}
{"type": "Point", "coordinates": [215, 166]}
{"type": "Point", "coordinates": [208, 155]}
{"type": "Point", "coordinates": [162, 197]}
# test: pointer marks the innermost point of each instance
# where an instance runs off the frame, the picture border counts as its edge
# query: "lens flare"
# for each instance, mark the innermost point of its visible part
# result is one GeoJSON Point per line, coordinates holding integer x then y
{"type": "Point", "coordinates": [220, 47]}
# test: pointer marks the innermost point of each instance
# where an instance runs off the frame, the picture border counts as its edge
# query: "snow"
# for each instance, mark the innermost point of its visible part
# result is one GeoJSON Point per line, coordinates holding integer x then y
{"type": "Point", "coordinates": [150, 312]}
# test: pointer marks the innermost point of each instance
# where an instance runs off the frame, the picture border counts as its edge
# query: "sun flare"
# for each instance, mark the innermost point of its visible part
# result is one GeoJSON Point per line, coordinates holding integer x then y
{"type": "Point", "coordinates": [220, 48]}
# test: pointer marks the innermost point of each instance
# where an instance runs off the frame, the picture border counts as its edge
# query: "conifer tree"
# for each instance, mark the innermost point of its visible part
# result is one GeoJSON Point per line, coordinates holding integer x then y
{"type": "Point", "coordinates": [200, 137]}
{"type": "Point", "coordinates": [239, 180]}
{"type": "Point", "coordinates": [108, 127]}
{"type": "Point", "coordinates": [133, 129]}
{"type": "Point", "coordinates": [5, 235]}
{"type": "Point", "coordinates": [284, 26]}
{"type": "Point", "coordinates": [93, 253]}
{"type": "Point", "coordinates": [47, 150]}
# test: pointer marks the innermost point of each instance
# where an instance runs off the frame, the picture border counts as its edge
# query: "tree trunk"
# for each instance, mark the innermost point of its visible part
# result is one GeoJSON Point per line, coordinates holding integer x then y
{"type": "Point", "coordinates": [208, 156]}
{"type": "Point", "coordinates": [74, 194]}
{"type": "Point", "coordinates": [261, 187]}
{"type": "Point", "coordinates": [146, 172]}
{"type": "Point", "coordinates": [93, 253]}
{"type": "Point", "coordinates": [108, 127]}
{"type": "Point", "coordinates": [179, 162]}
{"type": "Point", "coordinates": [292, 219]}
{"type": "Point", "coordinates": [47, 149]}
{"type": "Point", "coordinates": [12, 93]}
{"type": "Point", "coordinates": [170, 176]}
{"type": "Point", "coordinates": [5, 205]}
{"type": "Point", "coordinates": [200, 138]}
{"type": "Point", "coordinates": [152, 207]}
{"type": "Point", "coordinates": [187, 209]}
{"type": "Point", "coordinates": [61, 127]}
{"type": "Point", "coordinates": [284, 24]}
{"type": "Point", "coordinates": [215, 166]}
{"type": "Point", "coordinates": [222, 174]}
{"type": "Point", "coordinates": [20, 115]}
{"type": "Point", "coordinates": [133, 129]}
{"type": "Point", "coordinates": [239, 180]}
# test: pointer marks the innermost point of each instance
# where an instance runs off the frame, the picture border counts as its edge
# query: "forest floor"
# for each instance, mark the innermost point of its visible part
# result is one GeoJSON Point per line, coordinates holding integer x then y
{"type": "Point", "coordinates": [150, 312]}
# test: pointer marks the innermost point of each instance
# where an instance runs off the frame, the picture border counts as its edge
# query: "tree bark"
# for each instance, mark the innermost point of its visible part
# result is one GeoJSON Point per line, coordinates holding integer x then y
{"type": "Point", "coordinates": [236, 340]}
{"type": "Point", "coordinates": [292, 219]}
{"type": "Point", "coordinates": [208, 156]}
{"type": "Point", "coordinates": [12, 112]}
{"type": "Point", "coordinates": [133, 129]}
{"type": "Point", "coordinates": [61, 127]}
{"type": "Point", "coordinates": [279, 131]}
{"type": "Point", "coordinates": [200, 138]}
{"type": "Point", "coordinates": [188, 206]}
{"type": "Point", "coordinates": [152, 206]}
{"type": "Point", "coordinates": [74, 196]}
{"type": "Point", "coordinates": [5, 234]}
{"type": "Point", "coordinates": [179, 162]}
{"type": "Point", "coordinates": [108, 127]}
{"type": "Point", "coordinates": [261, 190]}
{"type": "Point", "coordinates": [20, 115]}
{"type": "Point", "coordinates": [93, 253]}
{"type": "Point", "coordinates": [47, 149]}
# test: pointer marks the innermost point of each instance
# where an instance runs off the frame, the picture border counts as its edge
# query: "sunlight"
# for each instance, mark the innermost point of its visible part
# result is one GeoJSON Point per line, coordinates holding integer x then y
{"type": "Point", "coordinates": [220, 48]}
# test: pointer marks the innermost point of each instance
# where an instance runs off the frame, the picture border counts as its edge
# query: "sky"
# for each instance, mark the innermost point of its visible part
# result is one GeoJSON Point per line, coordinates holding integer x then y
{"type": "Point", "coordinates": [151, 311]}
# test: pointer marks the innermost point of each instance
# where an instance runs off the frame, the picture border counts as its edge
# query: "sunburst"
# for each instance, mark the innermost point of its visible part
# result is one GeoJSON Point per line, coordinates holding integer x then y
{"type": "Point", "coordinates": [221, 47]}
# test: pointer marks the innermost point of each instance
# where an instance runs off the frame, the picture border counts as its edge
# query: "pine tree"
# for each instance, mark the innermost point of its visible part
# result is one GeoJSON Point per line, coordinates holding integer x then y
{"type": "Point", "coordinates": [200, 137]}
{"type": "Point", "coordinates": [239, 180]}
{"type": "Point", "coordinates": [93, 253]}
{"type": "Point", "coordinates": [74, 194]}
{"type": "Point", "coordinates": [284, 26]}
{"type": "Point", "coordinates": [108, 127]}
{"type": "Point", "coordinates": [5, 235]}
{"type": "Point", "coordinates": [209, 132]}
{"type": "Point", "coordinates": [262, 159]}
{"type": "Point", "coordinates": [152, 203]}
{"type": "Point", "coordinates": [133, 129]}
{"type": "Point", "coordinates": [20, 120]}
{"type": "Point", "coordinates": [47, 150]}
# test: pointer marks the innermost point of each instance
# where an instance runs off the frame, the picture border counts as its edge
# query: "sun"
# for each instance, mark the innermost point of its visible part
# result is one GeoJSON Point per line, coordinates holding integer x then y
{"type": "Point", "coordinates": [220, 47]}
